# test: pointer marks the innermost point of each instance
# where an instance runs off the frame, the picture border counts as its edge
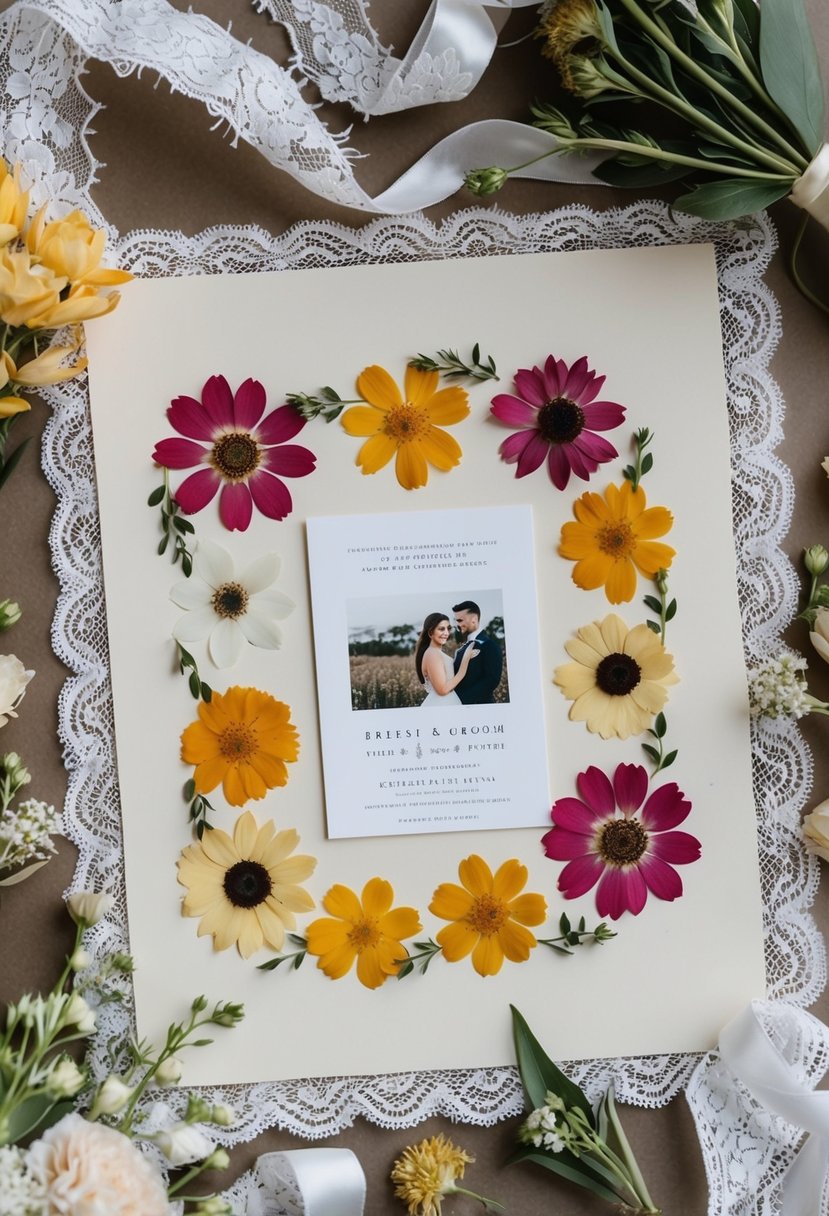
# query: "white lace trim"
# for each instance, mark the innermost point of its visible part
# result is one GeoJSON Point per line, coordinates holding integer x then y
{"type": "Point", "coordinates": [45, 114]}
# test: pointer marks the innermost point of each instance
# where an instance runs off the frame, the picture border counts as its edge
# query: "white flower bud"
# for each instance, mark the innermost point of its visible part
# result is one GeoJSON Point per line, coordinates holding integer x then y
{"type": "Point", "coordinates": [183, 1144]}
{"type": "Point", "coordinates": [169, 1071]}
{"type": "Point", "coordinates": [816, 830]}
{"type": "Point", "coordinates": [223, 1115]}
{"type": "Point", "coordinates": [65, 1079]}
{"type": "Point", "coordinates": [219, 1159]}
{"type": "Point", "coordinates": [80, 960]}
{"type": "Point", "coordinates": [112, 1096]}
{"type": "Point", "coordinates": [77, 1013]}
{"type": "Point", "coordinates": [88, 907]}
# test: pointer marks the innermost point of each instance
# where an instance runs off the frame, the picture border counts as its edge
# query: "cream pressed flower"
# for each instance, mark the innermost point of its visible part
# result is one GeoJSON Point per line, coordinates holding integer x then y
{"type": "Point", "coordinates": [230, 609]}
{"type": "Point", "coordinates": [13, 681]}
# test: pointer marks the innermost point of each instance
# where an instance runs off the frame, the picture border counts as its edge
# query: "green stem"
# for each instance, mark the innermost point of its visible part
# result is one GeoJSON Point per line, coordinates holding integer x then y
{"type": "Point", "coordinates": [185, 1178]}
{"type": "Point", "coordinates": [589, 143]}
{"type": "Point", "coordinates": [491, 1205]}
{"type": "Point", "coordinates": [793, 271]}
{"type": "Point", "coordinates": [712, 84]}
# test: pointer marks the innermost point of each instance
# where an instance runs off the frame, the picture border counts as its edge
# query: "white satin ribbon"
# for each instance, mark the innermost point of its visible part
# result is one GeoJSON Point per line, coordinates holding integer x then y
{"type": "Point", "coordinates": [309, 1182]}
{"type": "Point", "coordinates": [749, 1054]}
{"type": "Point", "coordinates": [811, 191]}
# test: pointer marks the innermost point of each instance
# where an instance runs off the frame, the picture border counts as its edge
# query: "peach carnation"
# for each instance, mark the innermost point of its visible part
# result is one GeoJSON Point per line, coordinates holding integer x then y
{"type": "Point", "coordinates": [85, 1167]}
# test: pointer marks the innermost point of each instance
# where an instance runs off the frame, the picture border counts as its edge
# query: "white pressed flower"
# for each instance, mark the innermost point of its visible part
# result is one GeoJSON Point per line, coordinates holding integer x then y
{"type": "Point", "coordinates": [778, 689]}
{"type": "Point", "coordinates": [111, 1097]}
{"type": "Point", "coordinates": [21, 1194]}
{"type": "Point", "coordinates": [88, 907]}
{"type": "Point", "coordinates": [13, 680]}
{"type": "Point", "coordinates": [229, 609]}
{"type": "Point", "coordinates": [182, 1144]}
{"type": "Point", "coordinates": [25, 835]}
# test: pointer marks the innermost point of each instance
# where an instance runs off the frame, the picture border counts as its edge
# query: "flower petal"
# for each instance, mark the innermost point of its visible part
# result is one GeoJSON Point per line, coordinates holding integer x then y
{"type": "Point", "coordinates": [178, 453]}
{"type": "Point", "coordinates": [603, 415]}
{"type": "Point", "coordinates": [620, 584]}
{"type": "Point", "coordinates": [279, 425]}
{"type": "Point", "coordinates": [513, 410]}
{"type": "Point", "coordinates": [532, 456]}
{"type": "Point", "coordinates": [272, 497]}
{"type": "Point", "coordinates": [213, 563]}
{"type": "Point", "coordinates": [191, 593]}
{"type": "Point", "coordinates": [377, 897]}
{"type": "Point", "coordinates": [529, 909]}
{"type": "Point", "coordinates": [563, 845]}
{"type": "Point", "coordinates": [420, 386]}
{"type": "Point", "coordinates": [226, 641]}
{"type": "Point", "coordinates": [362, 420]}
{"type": "Point", "coordinates": [509, 879]}
{"type": "Point", "coordinates": [341, 901]}
{"type": "Point", "coordinates": [558, 465]}
{"type": "Point", "coordinates": [575, 816]}
{"type": "Point", "coordinates": [376, 452]}
{"type": "Point", "coordinates": [369, 972]}
{"type": "Point", "coordinates": [621, 891]}
{"type": "Point", "coordinates": [249, 404]}
{"type": "Point", "coordinates": [451, 902]}
{"type": "Point", "coordinates": [196, 625]}
{"type": "Point", "coordinates": [475, 875]}
{"type": "Point", "coordinates": [662, 880]}
{"type": "Point", "coordinates": [679, 848]}
{"type": "Point", "coordinates": [579, 876]}
{"type": "Point", "coordinates": [290, 460]}
{"type": "Point", "coordinates": [515, 941]}
{"type": "Point", "coordinates": [630, 783]}
{"type": "Point", "coordinates": [190, 418]}
{"type": "Point", "coordinates": [217, 400]}
{"type": "Point", "coordinates": [449, 406]}
{"type": "Point", "coordinates": [441, 449]}
{"type": "Point", "coordinates": [596, 790]}
{"type": "Point", "coordinates": [235, 506]}
{"type": "Point", "coordinates": [457, 940]}
{"type": "Point", "coordinates": [260, 573]}
{"type": "Point", "coordinates": [375, 385]}
{"type": "Point", "coordinates": [530, 384]}
{"type": "Point", "coordinates": [197, 490]}
{"type": "Point", "coordinates": [410, 466]}
{"type": "Point", "coordinates": [488, 957]}
{"type": "Point", "coordinates": [259, 630]}
{"type": "Point", "coordinates": [666, 807]}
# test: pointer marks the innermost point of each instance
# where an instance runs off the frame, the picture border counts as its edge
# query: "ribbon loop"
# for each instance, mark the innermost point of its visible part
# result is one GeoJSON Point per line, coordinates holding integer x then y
{"type": "Point", "coordinates": [309, 1182]}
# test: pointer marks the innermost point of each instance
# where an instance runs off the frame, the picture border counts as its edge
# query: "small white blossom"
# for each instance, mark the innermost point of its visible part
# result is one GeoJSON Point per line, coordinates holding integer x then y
{"type": "Point", "coordinates": [65, 1079]}
{"type": "Point", "coordinates": [13, 680]}
{"type": "Point", "coordinates": [25, 833]}
{"type": "Point", "coordinates": [20, 1193]}
{"type": "Point", "coordinates": [77, 1013]}
{"type": "Point", "coordinates": [169, 1071]}
{"type": "Point", "coordinates": [88, 907]}
{"type": "Point", "coordinates": [778, 688]}
{"type": "Point", "coordinates": [182, 1144]}
{"type": "Point", "coordinates": [112, 1096]}
{"type": "Point", "coordinates": [223, 1115]}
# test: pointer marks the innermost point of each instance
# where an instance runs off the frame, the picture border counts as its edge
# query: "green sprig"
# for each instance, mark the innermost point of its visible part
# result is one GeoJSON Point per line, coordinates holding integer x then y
{"type": "Point", "coordinates": [450, 365]}
{"type": "Point", "coordinates": [664, 608]}
{"type": "Point", "coordinates": [198, 688]}
{"type": "Point", "coordinates": [199, 807]}
{"type": "Point", "coordinates": [328, 405]}
{"type": "Point", "coordinates": [425, 952]}
{"type": "Point", "coordinates": [656, 753]}
{"type": "Point", "coordinates": [816, 561]}
{"type": "Point", "coordinates": [173, 526]}
{"type": "Point", "coordinates": [643, 461]}
{"type": "Point", "coordinates": [296, 958]}
{"type": "Point", "coordinates": [570, 937]}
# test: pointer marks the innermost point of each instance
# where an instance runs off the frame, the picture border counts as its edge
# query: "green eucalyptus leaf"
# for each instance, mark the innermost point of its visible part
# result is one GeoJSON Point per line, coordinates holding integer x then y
{"type": "Point", "coordinates": [29, 1115]}
{"type": "Point", "coordinates": [670, 611]}
{"type": "Point", "coordinates": [790, 67]}
{"type": "Point", "coordinates": [156, 497]}
{"type": "Point", "coordinates": [669, 759]}
{"type": "Point", "coordinates": [162, 544]}
{"type": "Point", "coordinates": [652, 602]}
{"type": "Point", "coordinates": [651, 751]}
{"type": "Point", "coordinates": [660, 725]}
{"type": "Point", "coordinates": [729, 198]}
{"type": "Point", "coordinates": [747, 23]}
{"type": "Point", "coordinates": [538, 1072]}
{"type": "Point", "coordinates": [647, 172]}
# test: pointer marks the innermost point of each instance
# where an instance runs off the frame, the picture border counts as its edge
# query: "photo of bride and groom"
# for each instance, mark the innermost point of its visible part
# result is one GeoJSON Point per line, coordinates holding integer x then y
{"type": "Point", "coordinates": [452, 658]}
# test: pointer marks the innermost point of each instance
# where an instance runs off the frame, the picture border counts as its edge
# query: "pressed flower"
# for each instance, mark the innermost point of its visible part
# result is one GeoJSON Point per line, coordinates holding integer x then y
{"type": "Point", "coordinates": [816, 830]}
{"type": "Point", "coordinates": [13, 680]}
{"type": "Point", "coordinates": [619, 678]}
{"type": "Point", "coordinates": [83, 303]}
{"type": "Point", "coordinates": [238, 450]}
{"type": "Point", "coordinates": [245, 887]}
{"type": "Point", "coordinates": [819, 633]}
{"type": "Point", "coordinates": [26, 290]}
{"type": "Point", "coordinates": [613, 537]}
{"type": "Point", "coordinates": [367, 929]}
{"type": "Point", "coordinates": [558, 415]}
{"type": "Point", "coordinates": [45, 368]}
{"type": "Point", "coordinates": [243, 738]}
{"type": "Point", "coordinates": [429, 1170]}
{"type": "Point", "coordinates": [488, 915]}
{"type": "Point", "coordinates": [14, 203]}
{"type": "Point", "coordinates": [408, 425]}
{"type": "Point", "coordinates": [227, 608]}
{"type": "Point", "coordinates": [73, 248]}
{"type": "Point", "coordinates": [620, 836]}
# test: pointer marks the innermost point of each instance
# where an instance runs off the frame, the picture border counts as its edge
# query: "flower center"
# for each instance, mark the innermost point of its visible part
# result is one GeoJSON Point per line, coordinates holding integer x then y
{"type": "Point", "coordinates": [230, 600]}
{"type": "Point", "coordinates": [487, 914]}
{"type": "Point", "coordinates": [235, 455]}
{"type": "Point", "coordinates": [622, 841]}
{"type": "Point", "coordinates": [560, 420]}
{"type": "Point", "coordinates": [405, 422]}
{"type": "Point", "coordinates": [616, 539]}
{"type": "Point", "coordinates": [247, 884]}
{"type": "Point", "coordinates": [363, 935]}
{"type": "Point", "coordinates": [618, 674]}
{"type": "Point", "coordinates": [237, 741]}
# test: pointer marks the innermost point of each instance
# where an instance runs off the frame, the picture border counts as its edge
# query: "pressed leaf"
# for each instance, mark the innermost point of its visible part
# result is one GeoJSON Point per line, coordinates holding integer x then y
{"type": "Point", "coordinates": [651, 751]}
{"type": "Point", "coordinates": [791, 72]}
{"type": "Point", "coordinates": [19, 875]}
{"type": "Point", "coordinates": [12, 461]}
{"type": "Point", "coordinates": [729, 198]}
{"type": "Point", "coordinates": [653, 603]}
{"type": "Point", "coordinates": [538, 1072]}
{"type": "Point", "coordinates": [670, 611]}
{"type": "Point", "coordinates": [654, 626]}
{"type": "Point", "coordinates": [669, 759]}
{"type": "Point", "coordinates": [649, 172]}
{"type": "Point", "coordinates": [156, 497]}
{"type": "Point", "coordinates": [660, 725]}
{"type": "Point", "coordinates": [574, 1169]}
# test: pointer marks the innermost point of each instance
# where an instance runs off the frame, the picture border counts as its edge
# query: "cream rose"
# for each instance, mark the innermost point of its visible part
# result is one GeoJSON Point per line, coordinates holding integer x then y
{"type": "Point", "coordinates": [13, 680]}
{"type": "Point", "coordinates": [816, 830]}
{"type": "Point", "coordinates": [85, 1167]}
{"type": "Point", "coordinates": [819, 636]}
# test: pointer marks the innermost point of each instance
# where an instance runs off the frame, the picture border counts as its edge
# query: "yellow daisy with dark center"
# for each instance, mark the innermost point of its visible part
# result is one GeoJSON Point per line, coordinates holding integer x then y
{"type": "Point", "coordinates": [488, 915]}
{"type": "Point", "coordinates": [365, 929]}
{"type": "Point", "coordinates": [406, 426]}
{"type": "Point", "coordinates": [613, 537]}
{"type": "Point", "coordinates": [245, 887]}
{"type": "Point", "coordinates": [619, 678]}
{"type": "Point", "coordinates": [243, 738]}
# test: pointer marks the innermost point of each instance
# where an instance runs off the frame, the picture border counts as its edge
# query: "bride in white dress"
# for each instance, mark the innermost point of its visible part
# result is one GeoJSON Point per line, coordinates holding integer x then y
{"type": "Point", "coordinates": [435, 669]}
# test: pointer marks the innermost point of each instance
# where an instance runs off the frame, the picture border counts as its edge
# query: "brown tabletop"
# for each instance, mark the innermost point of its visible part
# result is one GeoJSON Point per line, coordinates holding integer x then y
{"type": "Point", "coordinates": [164, 168]}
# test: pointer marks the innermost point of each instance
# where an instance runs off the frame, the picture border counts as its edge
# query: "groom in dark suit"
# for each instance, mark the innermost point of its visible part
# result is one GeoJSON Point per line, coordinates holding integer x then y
{"type": "Point", "coordinates": [482, 676]}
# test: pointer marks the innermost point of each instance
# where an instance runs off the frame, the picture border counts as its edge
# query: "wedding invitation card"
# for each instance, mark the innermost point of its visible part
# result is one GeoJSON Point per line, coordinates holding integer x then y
{"type": "Point", "coordinates": [424, 633]}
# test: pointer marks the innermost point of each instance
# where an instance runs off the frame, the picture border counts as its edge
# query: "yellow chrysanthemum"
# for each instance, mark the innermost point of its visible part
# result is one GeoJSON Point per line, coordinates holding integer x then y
{"type": "Point", "coordinates": [46, 368]}
{"type": "Point", "coordinates": [367, 929]}
{"type": "Point", "coordinates": [243, 739]}
{"type": "Point", "coordinates": [426, 1172]}
{"type": "Point", "coordinates": [488, 915]}
{"type": "Point", "coordinates": [14, 203]}
{"type": "Point", "coordinates": [245, 888]}
{"type": "Point", "coordinates": [613, 538]}
{"type": "Point", "coordinates": [72, 247]}
{"type": "Point", "coordinates": [407, 427]}
{"type": "Point", "coordinates": [26, 291]}
{"type": "Point", "coordinates": [619, 678]}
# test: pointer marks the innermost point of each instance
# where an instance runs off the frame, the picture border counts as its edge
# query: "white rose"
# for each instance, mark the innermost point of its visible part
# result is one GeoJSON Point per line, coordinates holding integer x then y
{"type": "Point", "coordinates": [65, 1079]}
{"type": "Point", "coordinates": [816, 830]}
{"type": "Point", "coordinates": [88, 907]}
{"type": "Point", "coordinates": [182, 1143]}
{"type": "Point", "coordinates": [86, 1167]}
{"type": "Point", "coordinates": [13, 680]}
{"type": "Point", "coordinates": [819, 636]}
{"type": "Point", "coordinates": [110, 1098]}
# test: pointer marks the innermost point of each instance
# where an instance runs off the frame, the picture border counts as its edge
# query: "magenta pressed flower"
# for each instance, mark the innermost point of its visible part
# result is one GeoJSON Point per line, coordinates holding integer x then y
{"type": "Point", "coordinates": [605, 837]}
{"type": "Point", "coordinates": [238, 450]}
{"type": "Point", "coordinates": [557, 411]}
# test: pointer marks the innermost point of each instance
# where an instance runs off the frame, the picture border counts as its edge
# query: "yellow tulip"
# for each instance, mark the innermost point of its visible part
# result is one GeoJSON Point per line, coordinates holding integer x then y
{"type": "Point", "coordinates": [14, 203]}
{"type": "Point", "coordinates": [72, 247]}
{"type": "Point", "coordinates": [82, 304]}
{"type": "Point", "coordinates": [13, 405]}
{"type": "Point", "coordinates": [25, 290]}
{"type": "Point", "coordinates": [46, 368]}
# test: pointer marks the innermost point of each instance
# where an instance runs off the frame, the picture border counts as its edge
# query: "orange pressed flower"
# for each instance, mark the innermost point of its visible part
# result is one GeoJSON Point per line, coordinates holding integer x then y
{"type": "Point", "coordinates": [243, 738]}
{"type": "Point", "coordinates": [488, 915]}
{"type": "Point", "coordinates": [406, 426]}
{"type": "Point", "coordinates": [367, 929]}
{"type": "Point", "coordinates": [614, 536]}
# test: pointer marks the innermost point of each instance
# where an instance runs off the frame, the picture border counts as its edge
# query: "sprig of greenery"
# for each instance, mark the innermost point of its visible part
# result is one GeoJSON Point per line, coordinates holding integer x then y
{"type": "Point", "coordinates": [199, 806]}
{"type": "Point", "coordinates": [426, 951]}
{"type": "Point", "coordinates": [9, 463]}
{"type": "Point", "coordinates": [664, 609]}
{"type": "Point", "coordinates": [296, 959]}
{"type": "Point", "coordinates": [657, 754]}
{"type": "Point", "coordinates": [571, 937]}
{"type": "Point", "coordinates": [173, 526]}
{"type": "Point", "coordinates": [328, 405]}
{"type": "Point", "coordinates": [816, 561]}
{"type": "Point", "coordinates": [643, 461]}
{"type": "Point", "coordinates": [197, 686]}
{"type": "Point", "coordinates": [452, 367]}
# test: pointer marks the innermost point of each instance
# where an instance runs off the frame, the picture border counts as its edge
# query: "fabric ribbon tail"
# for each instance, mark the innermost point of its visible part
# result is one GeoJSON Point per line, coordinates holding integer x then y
{"type": "Point", "coordinates": [811, 191]}
{"type": "Point", "coordinates": [308, 1182]}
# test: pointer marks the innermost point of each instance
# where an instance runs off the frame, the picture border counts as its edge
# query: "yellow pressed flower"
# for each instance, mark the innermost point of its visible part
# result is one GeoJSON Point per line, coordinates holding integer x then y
{"type": "Point", "coordinates": [245, 888]}
{"type": "Point", "coordinates": [619, 678]}
{"type": "Point", "coordinates": [83, 303]}
{"type": "Point", "coordinates": [26, 290]}
{"type": "Point", "coordinates": [613, 538]}
{"type": "Point", "coordinates": [73, 248]}
{"type": "Point", "coordinates": [243, 739]}
{"type": "Point", "coordinates": [566, 27]}
{"type": "Point", "coordinates": [14, 203]}
{"type": "Point", "coordinates": [45, 368]}
{"type": "Point", "coordinates": [426, 1172]}
{"type": "Point", "coordinates": [406, 426]}
{"type": "Point", "coordinates": [367, 929]}
{"type": "Point", "coordinates": [488, 915]}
